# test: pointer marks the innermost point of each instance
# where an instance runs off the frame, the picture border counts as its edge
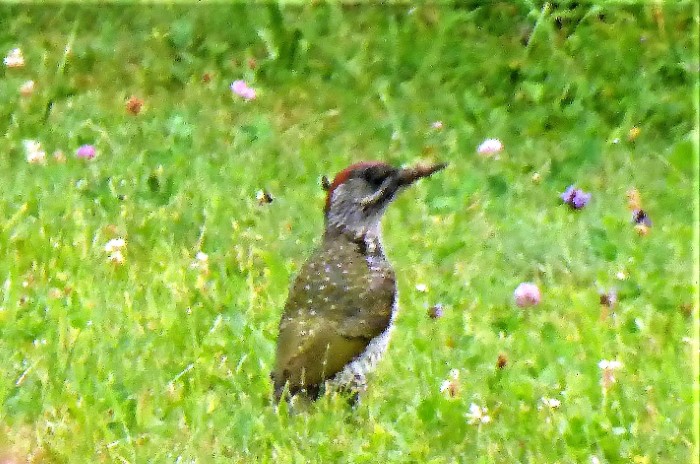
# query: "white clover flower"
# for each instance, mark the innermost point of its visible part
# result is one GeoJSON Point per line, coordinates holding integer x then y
{"type": "Point", "coordinates": [490, 147]}
{"type": "Point", "coordinates": [35, 154]}
{"type": "Point", "coordinates": [116, 257]}
{"type": "Point", "coordinates": [552, 403]}
{"type": "Point", "coordinates": [14, 59]}
{"type": "Point", "coordinates": [610, 365]}
{"type": "Point", "coordinates": [608, 369]}
{"type": "Point", "coordinates": [478, 415]}
{"type": "Point", "coordinates": [59, 156]}
{"type": "Point", "coordinates": [115, 244]}
{"type": "Point", "coordinates": [27, 88]}
{"type": "Point", "coordinates": [450, 386]}
{"type": "Point", "coordinates": [201, 261]}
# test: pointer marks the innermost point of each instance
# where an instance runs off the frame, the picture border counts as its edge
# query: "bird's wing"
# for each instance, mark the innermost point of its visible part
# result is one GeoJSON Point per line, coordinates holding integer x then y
{"type": "Point", "coordinates": [335, 308]}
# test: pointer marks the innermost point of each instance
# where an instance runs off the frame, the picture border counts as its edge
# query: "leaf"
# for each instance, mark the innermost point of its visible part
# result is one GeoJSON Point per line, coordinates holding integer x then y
{"type": "Point", "coordinates": [601, 245]}
{"type": "Point", "coordinates": [181, 33]}
{"type": "Point", "coordinates": [681, 157]}
{"type": "Point", "coordinates": [534, 91]}
{"type": "Point", "coordinates": [548, 332]}
{"type": "Point", "coordinates": [588, 151]}
{"type": "Point", "coordinates": [153, 183]}
{"type": "Point", "coordinates": [497, 185]}
{"type": "Point", "coordinates": [428, 411]}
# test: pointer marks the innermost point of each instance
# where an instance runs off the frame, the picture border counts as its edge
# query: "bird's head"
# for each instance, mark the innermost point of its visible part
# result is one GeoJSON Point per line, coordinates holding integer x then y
{"type": "Point", "coordinates": [359, 194]}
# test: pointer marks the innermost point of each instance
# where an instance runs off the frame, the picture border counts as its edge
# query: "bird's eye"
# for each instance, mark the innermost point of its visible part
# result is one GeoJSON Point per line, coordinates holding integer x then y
{"type": "Point", "coordinates": [376, 175]}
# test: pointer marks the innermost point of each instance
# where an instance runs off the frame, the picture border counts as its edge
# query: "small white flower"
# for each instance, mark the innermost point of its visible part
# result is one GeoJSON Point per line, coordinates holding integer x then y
{"type": "Point", "coordinates": [445, 386]}
{"type": "Point", "coordinates": [490, 147]}
{"type": "Point", "coordinates": [610, 365]}
{"type": "Point", "coordinates": [14, 59]}
{"type": "Point", "coordinates": [450, 386]}
{"type": "Point", "coordinates": [201, 261]}
{"type": "Point", "coordinates": [422, 288]}
{"type": "Point", "coordinates": [478, 415]}
{"type": "Point", "coordinates": [608, 369]}
{"type": "Point", "coordinates": [116, 257]}
{"type": "Point", "coordinates": [114, 248]}
{"type": "Point", "coordinates": [35, 154]}
{"type": "Point", "coordinates": [437, 125]}
{"type": "Point", "coordinates": [551, 402]}
{"type": "Point", "coordinates": [27, 88]}
{"type": "Point", "coordinates": [115, 244]}
{"type": "Point", "coordinates": [59, 156]}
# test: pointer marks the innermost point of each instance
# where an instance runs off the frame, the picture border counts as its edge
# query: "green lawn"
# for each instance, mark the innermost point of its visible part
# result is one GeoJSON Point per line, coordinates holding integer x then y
{"type": "Point", "coordinates": [165, 357]}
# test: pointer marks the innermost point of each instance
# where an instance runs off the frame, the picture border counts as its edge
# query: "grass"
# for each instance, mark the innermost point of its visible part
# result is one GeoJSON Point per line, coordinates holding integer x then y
{"type": "Point", "coordinates": [157, 360]}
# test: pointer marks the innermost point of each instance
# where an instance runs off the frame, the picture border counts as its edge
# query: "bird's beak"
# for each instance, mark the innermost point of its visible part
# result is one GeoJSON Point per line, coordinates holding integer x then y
{"type": "Point", "coordinates": [402, 178]}
{"type": "Point", "coordinates": [407, 176]}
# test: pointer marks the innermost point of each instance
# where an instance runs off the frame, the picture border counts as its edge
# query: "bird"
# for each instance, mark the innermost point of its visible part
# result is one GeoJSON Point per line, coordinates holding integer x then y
{"type": "Point", "coordinates": [341, 306]}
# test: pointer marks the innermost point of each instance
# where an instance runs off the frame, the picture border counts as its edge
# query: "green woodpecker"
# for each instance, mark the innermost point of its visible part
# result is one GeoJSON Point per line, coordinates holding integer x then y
{"type": "Point", "coordinates": [341, 307]}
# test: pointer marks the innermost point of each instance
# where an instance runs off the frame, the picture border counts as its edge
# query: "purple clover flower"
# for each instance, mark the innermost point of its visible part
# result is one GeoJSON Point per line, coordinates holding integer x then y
{"type": "Point", "coordinates": [240, 88]}
{"type": "Point", "coordinates": [87, 152]}
{"type": "Point", "coordinates": [608, 298]}
{"type": "Point", "coordinates": [527, 294]}
{"type": "Point", "coordinates": [436, 311]}
{"type": "Point", "coordinates": [640, 217]}
{"type": "Point", "coordinates": [575, 198]}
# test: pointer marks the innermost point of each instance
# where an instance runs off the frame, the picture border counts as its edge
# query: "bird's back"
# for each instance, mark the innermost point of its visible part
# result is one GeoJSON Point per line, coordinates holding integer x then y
{"type": "Point", "coordinates": [342, 299]}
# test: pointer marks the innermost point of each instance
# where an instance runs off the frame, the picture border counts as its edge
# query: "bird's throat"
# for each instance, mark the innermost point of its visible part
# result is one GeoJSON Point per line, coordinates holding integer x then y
{"type": "Point", "coordinates": [368, 241]}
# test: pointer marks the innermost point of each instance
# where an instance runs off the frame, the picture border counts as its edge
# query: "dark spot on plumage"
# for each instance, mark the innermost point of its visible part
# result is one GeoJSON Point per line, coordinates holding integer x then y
{"type": "Point", "coordinates": [361, 246]}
